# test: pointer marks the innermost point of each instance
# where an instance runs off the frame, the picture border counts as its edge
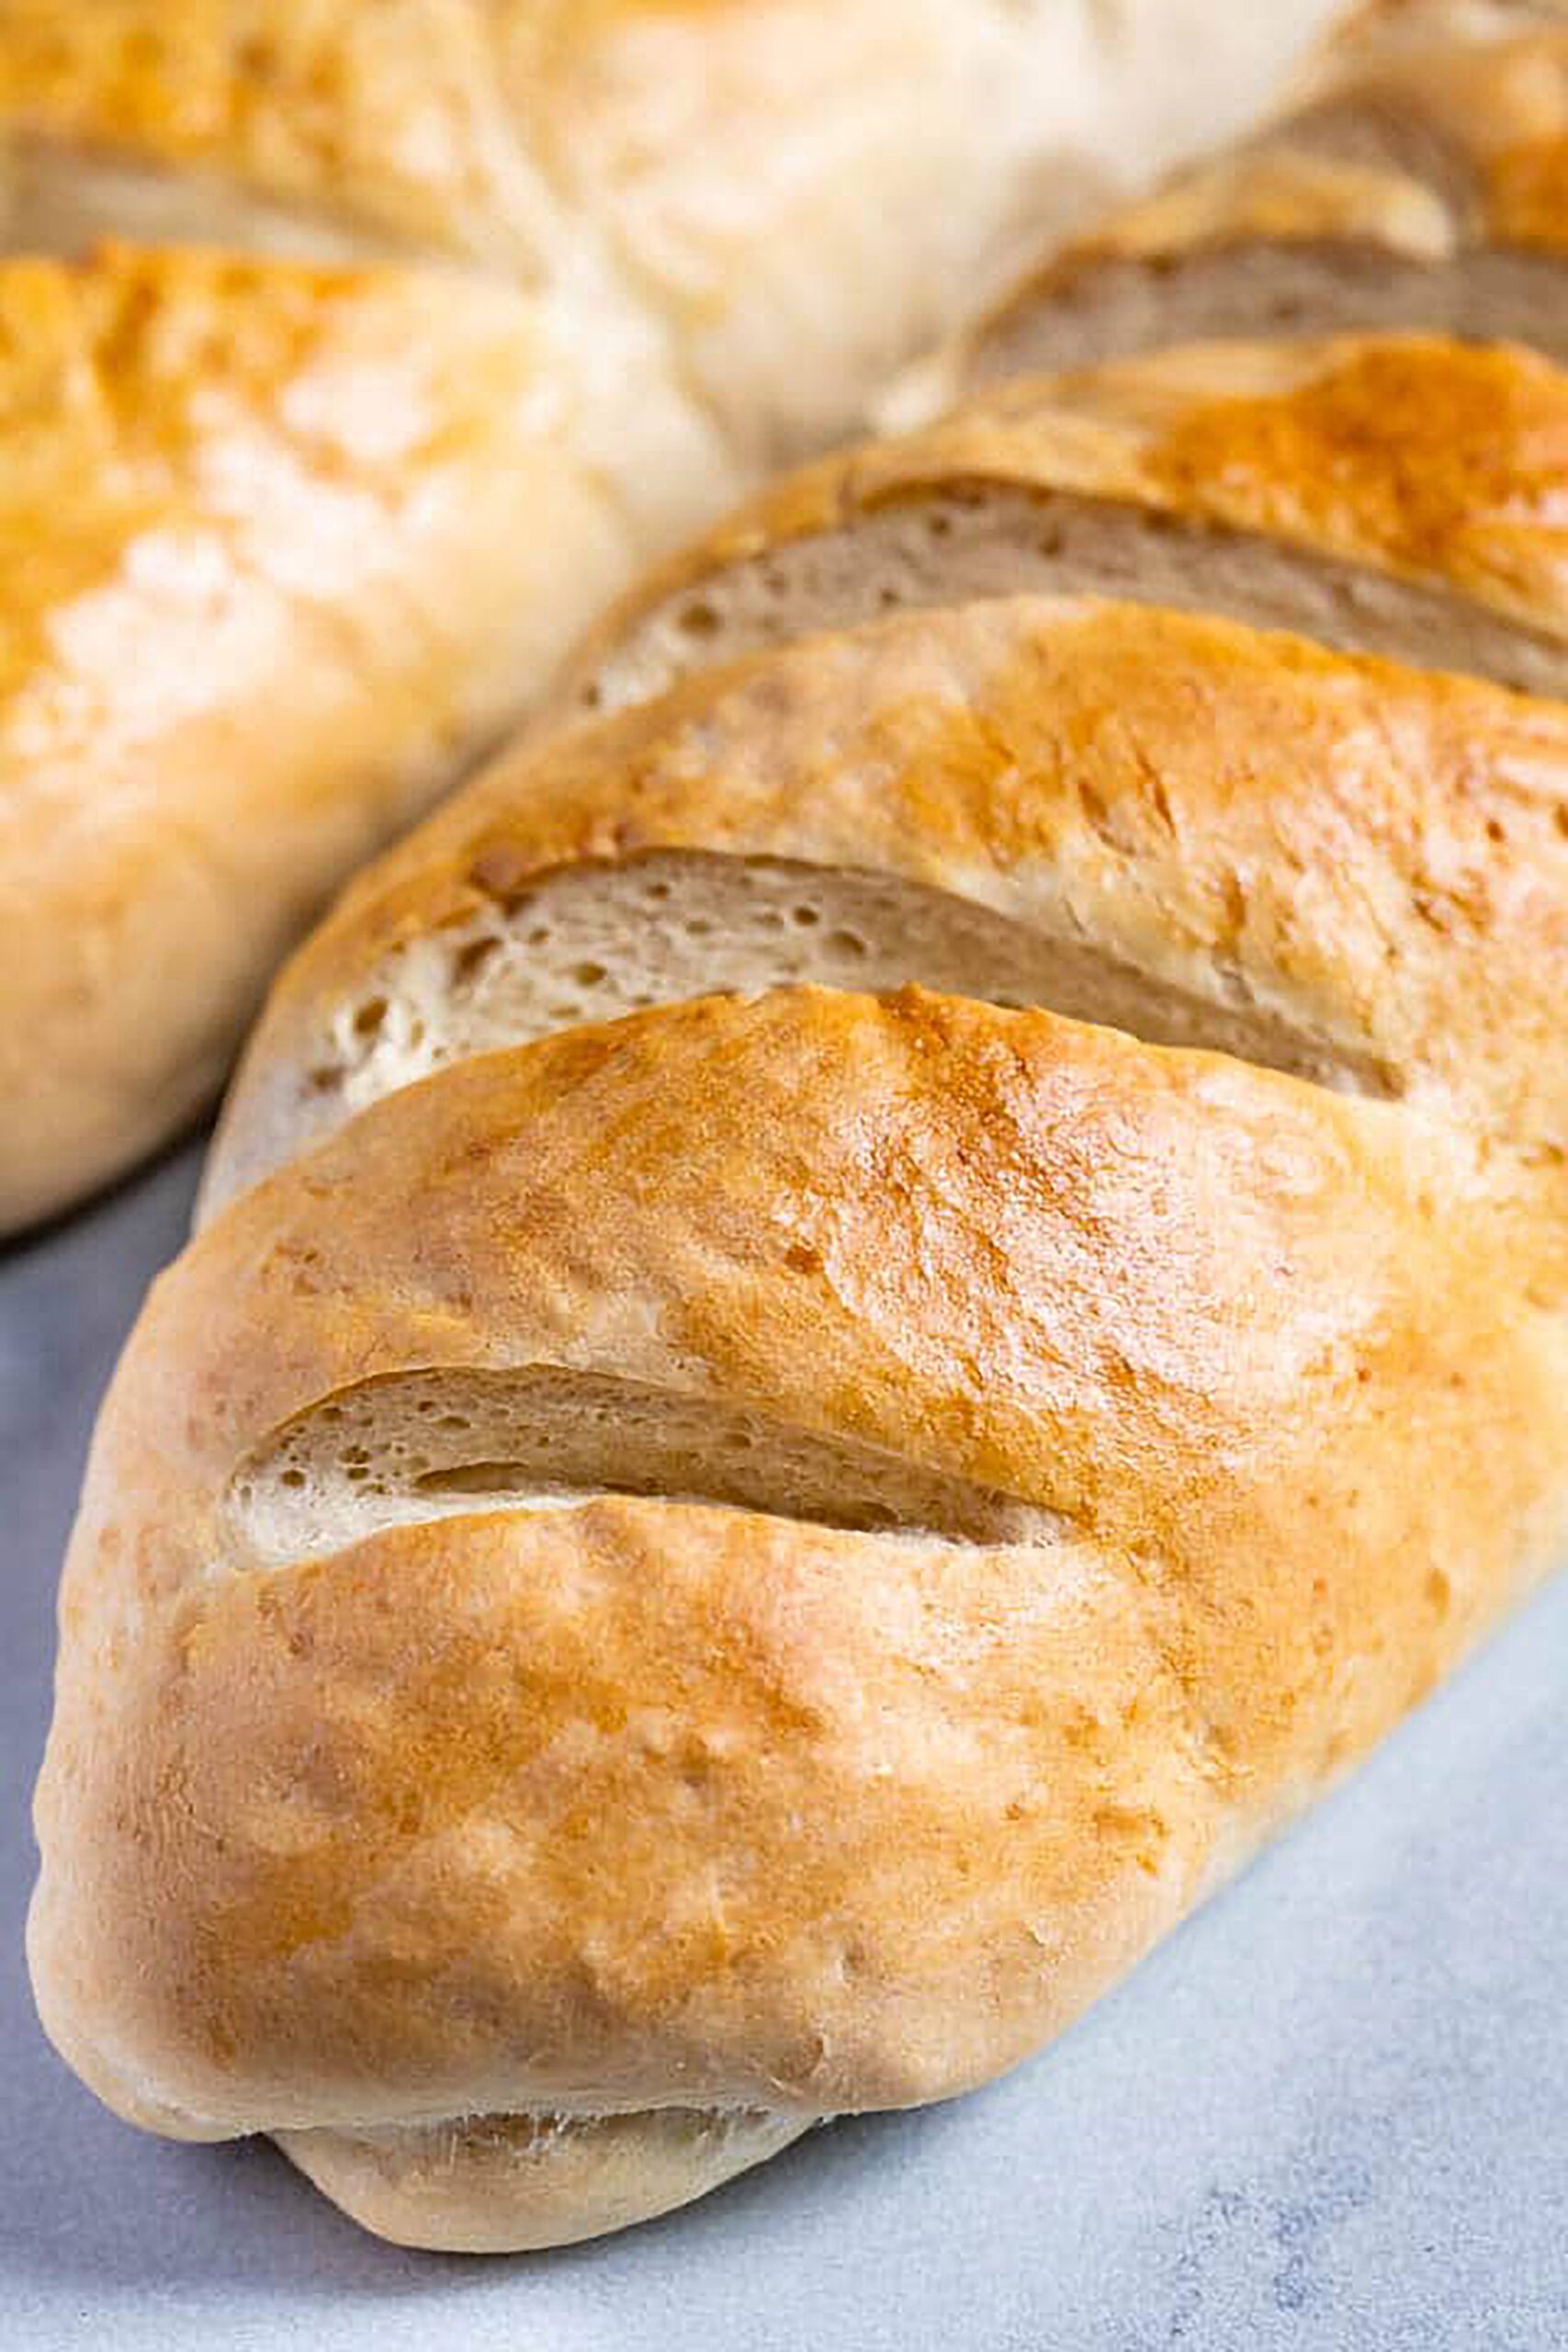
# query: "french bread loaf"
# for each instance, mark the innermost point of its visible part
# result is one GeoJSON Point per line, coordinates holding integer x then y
{"type": "Point", "coordinates": [544, 281]}
{"type": "Point", "coordinates": [893, 1289]}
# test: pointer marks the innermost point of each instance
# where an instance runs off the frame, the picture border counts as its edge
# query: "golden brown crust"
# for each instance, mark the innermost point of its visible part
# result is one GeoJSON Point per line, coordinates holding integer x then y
{"type": "Point", "coordinates": [278, 543]}
{"type": "Point", "coordinates": [1376, 858]}
{"type": "Point", "coordinates": [1272, 1357]}
{"type": "Point", "coordinates": [1430, 458]}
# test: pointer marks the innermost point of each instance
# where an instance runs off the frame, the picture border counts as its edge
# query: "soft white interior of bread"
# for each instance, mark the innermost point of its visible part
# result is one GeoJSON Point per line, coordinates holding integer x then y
{"type": "Point", "coordinates": [592, 942]}
{"type": "Point", "coordinates": [951, 544]}
{"type": "Point", "coordinates": [596, 941]}
{"type": "Point", "coordinates": [1261, 287]}
{"type": "Point", "coordinates": [424, 1445]}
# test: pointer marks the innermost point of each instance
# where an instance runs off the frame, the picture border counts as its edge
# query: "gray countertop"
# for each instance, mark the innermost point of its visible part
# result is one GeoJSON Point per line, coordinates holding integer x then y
{"type": "Point", "coordinates": [1330, 2114]}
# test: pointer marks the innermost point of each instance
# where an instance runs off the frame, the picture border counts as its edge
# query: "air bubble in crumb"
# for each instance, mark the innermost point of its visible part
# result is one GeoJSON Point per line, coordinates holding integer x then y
{"type": "Point", "coordinates": [469, 961]}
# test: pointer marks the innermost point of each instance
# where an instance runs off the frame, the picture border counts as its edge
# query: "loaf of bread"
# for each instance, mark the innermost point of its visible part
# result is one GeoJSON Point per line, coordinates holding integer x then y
{"type": "Point", "coordinates": [859, 1319]}
{"type": "Point", "coordinates": [495, 298]}
{"type": "Point", "coordinates": [289, 541]}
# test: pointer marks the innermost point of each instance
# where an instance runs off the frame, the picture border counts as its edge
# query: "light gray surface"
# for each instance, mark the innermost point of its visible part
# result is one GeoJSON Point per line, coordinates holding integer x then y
{"type": "Point", "coordinates": [1329, 2115]}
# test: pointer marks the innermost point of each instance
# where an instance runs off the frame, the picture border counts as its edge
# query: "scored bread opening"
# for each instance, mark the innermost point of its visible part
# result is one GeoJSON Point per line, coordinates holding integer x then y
{"type": "Point", "coordinates": [1259, 288]}
{"type": "Point", "coordinates": [597, 941]}
{"type": "Point", "coordinates": [965, 542]}
{"type": "Point", "coordinates": [420, 1445]}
